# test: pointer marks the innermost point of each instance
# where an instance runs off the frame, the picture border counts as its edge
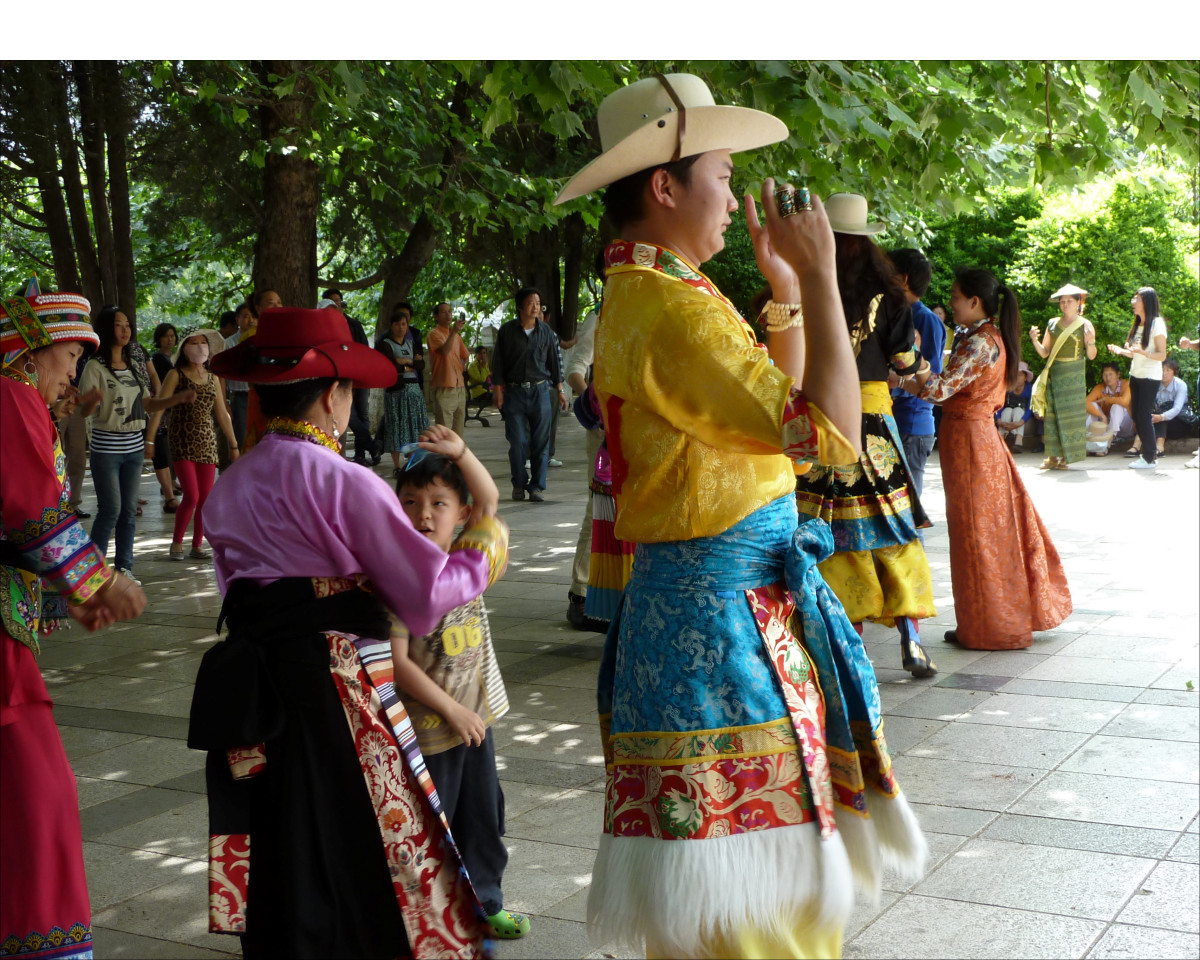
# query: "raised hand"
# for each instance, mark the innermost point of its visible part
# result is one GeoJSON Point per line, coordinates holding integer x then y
{"type": "Point", "coordinates": [441, 439]}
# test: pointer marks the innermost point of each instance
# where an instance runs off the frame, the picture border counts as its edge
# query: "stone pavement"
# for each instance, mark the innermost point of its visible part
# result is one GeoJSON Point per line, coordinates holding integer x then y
{"type": "Point", "coordinates": [1058, 785]}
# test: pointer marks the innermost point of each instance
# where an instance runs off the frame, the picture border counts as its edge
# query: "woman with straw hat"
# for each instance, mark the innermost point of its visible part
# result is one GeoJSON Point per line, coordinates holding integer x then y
{"type": "Point", "coordinates": [730, 676]}
{"type": "Point", "coordinates": [49, 570]}
{"type": "Point", "coordinates": [1068, 339]}
{"type": "Point", "coordinates": [327, 837]}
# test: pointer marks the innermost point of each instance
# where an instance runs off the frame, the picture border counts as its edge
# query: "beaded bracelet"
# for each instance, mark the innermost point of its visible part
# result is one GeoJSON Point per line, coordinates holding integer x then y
{"type": "Point", "coordinates": [783, 316]}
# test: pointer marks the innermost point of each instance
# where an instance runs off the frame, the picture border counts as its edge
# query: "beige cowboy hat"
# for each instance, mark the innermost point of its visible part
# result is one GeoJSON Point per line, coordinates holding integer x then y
{"type": "Point", "coordinates": [216, 342]}
{"type": "Point", "coordinates": [662, 119]}
{"type": "Point", "coordinates": [847, 213]}
{"type": "Point", "coordinates": [1070, 290]}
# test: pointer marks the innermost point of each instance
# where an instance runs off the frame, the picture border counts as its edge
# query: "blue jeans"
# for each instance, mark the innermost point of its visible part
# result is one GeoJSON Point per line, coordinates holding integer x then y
{"type": "Point", "coordinates": [527, 422]}
{"type": "Point", "coordinates": [239, 404]}
{"type": "Point", "coordinates": [116, 477]}
{"type": "Point", "coordinates": [917, 449]}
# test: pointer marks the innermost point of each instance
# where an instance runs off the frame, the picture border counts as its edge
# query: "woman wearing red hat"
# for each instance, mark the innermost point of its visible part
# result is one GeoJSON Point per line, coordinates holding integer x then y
{"type": "Point", "coordinates": [49, 570]}
{"type": "Point", "coordinates": [326, 835]}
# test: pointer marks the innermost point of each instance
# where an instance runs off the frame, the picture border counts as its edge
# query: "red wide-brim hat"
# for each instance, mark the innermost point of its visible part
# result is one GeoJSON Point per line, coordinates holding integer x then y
{"type": "Point", "coordinates": [293, 345]}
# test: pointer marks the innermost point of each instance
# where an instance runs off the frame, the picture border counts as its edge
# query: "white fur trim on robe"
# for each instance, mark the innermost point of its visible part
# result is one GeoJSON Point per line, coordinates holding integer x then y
{"type": "Point", "coordinates": [672, 895]}
{"type": "Point", "coordinates": [889, 839]}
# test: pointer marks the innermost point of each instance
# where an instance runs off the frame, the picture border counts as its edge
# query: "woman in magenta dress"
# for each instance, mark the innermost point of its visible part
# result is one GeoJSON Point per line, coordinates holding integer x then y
{"type": "Point", "coordinates": [49, 570]}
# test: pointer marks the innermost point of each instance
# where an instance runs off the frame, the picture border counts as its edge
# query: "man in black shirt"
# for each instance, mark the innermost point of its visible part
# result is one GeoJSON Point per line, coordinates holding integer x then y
{"type": "Point", "coordinates": [525, 362]}
{"type": "Point", "coordinates": [360, 417]}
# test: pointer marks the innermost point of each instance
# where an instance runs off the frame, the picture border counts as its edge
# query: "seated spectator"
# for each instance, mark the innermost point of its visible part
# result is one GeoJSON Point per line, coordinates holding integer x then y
{"type": "Point", "coordinates": [1169, 402]}
{"type": "Point", "coordinates": [1108, 415]}
{"type": "Point", "coordinates": [479, 375]}
{"type": "Point", "coordinates": [1012, 419]}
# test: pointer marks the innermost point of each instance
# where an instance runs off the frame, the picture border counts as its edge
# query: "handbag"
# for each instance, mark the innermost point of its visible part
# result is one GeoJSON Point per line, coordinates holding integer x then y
{"type": "Point", "coordinates": [1037, 402]}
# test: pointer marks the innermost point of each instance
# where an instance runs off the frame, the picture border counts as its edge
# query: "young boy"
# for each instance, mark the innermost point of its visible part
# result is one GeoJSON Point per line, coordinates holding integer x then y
{"type": "Point", "coordinates": [449, 680]}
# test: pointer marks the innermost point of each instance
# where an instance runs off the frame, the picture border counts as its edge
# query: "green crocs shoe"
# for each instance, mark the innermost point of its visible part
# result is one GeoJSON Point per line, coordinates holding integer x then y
{"type": "Point", "coordinates": [508, 925]}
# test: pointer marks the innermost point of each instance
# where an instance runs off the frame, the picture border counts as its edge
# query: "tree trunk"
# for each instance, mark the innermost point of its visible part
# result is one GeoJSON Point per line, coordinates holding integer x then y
{"type": "Point", "coordinates": [81, 229]}
{"type": "Point", "coordinates": [30, 93]}
{"type": "Point", "coordinates": [285, 256]}
{"type": "Point", "coordinates": [573, 233]}
{"type": "Point", "coordinates": [91, 117]}
{"type": "Point", "coordinates": [402, 270]}
{"type": "Point", "coordinates": [116, 111]}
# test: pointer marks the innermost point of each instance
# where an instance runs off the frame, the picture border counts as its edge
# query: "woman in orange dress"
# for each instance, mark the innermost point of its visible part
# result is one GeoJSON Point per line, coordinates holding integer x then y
{"type": "Point", "coordinates": [995, 532]}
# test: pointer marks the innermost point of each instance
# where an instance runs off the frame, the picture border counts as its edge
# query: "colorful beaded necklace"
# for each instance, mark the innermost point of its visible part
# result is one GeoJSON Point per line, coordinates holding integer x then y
{"type": "Point", "coordinates": [287, 427]}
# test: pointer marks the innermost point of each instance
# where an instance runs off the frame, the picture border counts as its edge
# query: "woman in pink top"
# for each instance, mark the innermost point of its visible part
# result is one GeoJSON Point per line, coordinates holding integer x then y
{"type": "Point", "coordinates": [321, 814]}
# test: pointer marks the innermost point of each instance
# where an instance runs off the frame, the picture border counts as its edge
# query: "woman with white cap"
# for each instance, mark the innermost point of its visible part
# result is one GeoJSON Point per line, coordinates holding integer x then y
{"type": "Point", "coordinates": [1068, 339]}
{"type": "Point", "coordinates": [731, 678]}
{"type": "Point", "coordinates": [879, 570]}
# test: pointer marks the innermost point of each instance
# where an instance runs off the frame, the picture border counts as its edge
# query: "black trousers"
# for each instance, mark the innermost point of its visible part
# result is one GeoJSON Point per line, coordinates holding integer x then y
{"type": "Point", "coordinates": [360, 425]}
{"type": "Point", "coordinates": [470, 792]}
{"type": "Point", "coordinates": [1143, 391]}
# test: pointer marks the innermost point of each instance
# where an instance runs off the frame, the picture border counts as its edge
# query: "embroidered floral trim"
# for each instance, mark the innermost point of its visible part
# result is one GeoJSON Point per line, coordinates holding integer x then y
{"type": "Point", "coordinates": [55, 943]}
{"type": "Point", "coordinates": [624, 255]}
{"type": "Point", "coordinates": [303, 430]}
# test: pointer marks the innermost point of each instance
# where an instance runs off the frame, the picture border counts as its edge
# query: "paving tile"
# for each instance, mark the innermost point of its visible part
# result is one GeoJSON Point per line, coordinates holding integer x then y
{"type": "Point", "coordinates": [522, 797]}
{"type": "Point", "coordinates": [123, 721]}
{"type": "Point", "coordinates": [971, 681]}
{"type": "Point", "coordinates": [564, 742]}
{"type": "Point", "coordinates": [1081, 835]}
{"type": "Point", "coordinates": [903, 733]}
{"type": "Point", "coordinates": [548, 937]}
{"type": "Point", "coordinates": [575, 819]}
{"type": "Point", "coordinates": [1122, 941]}
{"type": "Point", "coordinates": [547, 772]}
{"type": "Point", "coordinates": [164, 697]}
{"type": "Point", "coordinates": [180, 831]}
{"type": "Point", "coordinates": [148, 760]}
{"type": "Point", "coordinates": [1158, 647]}
{"type": "Point", "coordinates": [550, 703]}
{"type": "Point", "coordinates": [117, 874]}
{"type": "Point", "coordinates": [169, 909]}
{"type": "Point", "coordinates": [955, 929]}
{"type": "Point", "coordinates": [1171, 760]}
{"type": "Point", "coordinates": [1156, 722]}
{"type": "Point", "coordinates": [80, 742]}
{"type": "Point", "coordinates": [1169, 897]}
{"type": "Point", "coordinates": [580, 676]}
{"type": "Point", "coordinates": [1044, 713]}
{"type": "Point", "coordinates": [1018, 746]}
{"type": "Point", "coordinates": [1073, 883]}
{"type": "Point", "coordinates": [865, 913]}
{"type": "Point", "coordinates": [1121, 673]}
{"type": "Point", "coordinates": [941, 846]}
{"type": "Point", "coordinates": [1172, 698]}
{"type": "Point", "coordinates": [1006, 663]}
{"type": "Point", "coordinates": [1070, 690]}
{"type": "Point", "coordinates": [1178, 679]}
{"type": "Point", "coordinates": [93, 791]}
{"type": "Point", "coordinates": [135, 807]}
{"type": "Point", "coordinates": [117, 944]}
{"type": "Point", "coordinates": [1186, 850]}
{"type": "Point", "coordinates": [939, 703]}
{"type": "Point", "coordinates": [981, 786]}
{"type": "Point", "coordinates": [1158, 805]}
{"type": "Point", "coordinates": [961, 821]}
{"type": "Point", "coordinates": [549, 872]}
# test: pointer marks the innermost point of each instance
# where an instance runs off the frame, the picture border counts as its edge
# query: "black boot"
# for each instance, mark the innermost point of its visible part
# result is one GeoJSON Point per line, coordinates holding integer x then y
{"type": "Point", "coordinates": [578, 617]}
{"type": "Point", "coordinates": [914, 659]}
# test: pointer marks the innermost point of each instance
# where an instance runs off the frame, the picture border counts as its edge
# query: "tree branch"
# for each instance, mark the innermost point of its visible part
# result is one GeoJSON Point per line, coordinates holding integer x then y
{"type": "Point", "coordinates": [1049, 125]}
{"type": "Point", "coordinates": [36, 228]}
{"type": "Point", "coordinates": [368, 281]}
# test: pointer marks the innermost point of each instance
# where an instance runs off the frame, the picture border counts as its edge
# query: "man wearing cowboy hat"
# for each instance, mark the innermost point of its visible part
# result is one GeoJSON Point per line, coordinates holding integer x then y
{"type": "Point", "coordinates": [702, 425]}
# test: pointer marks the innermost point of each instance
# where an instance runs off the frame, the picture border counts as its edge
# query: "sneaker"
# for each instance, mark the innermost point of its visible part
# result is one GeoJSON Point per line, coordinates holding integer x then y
{"type": "Point", "coordinates": [536, 495]}
{"type": "Point", "coordinates": [518, 493]}
{"type": "Point", "coordinates": [555, 462]}
{"type": "Point", "coordinates": [1140, 464]}
{"type": "Point", "coordinates": [1194, 463]}
{"type": "Point", "coordinates": [508, 925]}
{"type": "Point", "coordinates": [129, 574]}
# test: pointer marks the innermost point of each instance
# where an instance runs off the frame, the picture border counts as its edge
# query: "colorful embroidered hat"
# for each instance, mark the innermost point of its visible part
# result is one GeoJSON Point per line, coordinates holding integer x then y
{"type": "Point", "coordinates": [1070, 290]}
{"type": "Point", "coordinates": [293, 345]}
{"type": "Point", "coordinates": [662, 119]}
{"type": "Point", "coordinates": [847, 213]}
{"type": "Point", "coordinates": [38, 320]}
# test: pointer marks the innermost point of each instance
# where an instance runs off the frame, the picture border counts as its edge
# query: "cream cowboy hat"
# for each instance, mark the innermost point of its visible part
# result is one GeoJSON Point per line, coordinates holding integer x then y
{"type": "Point", "coordinates": [1070, 290]}
{"type": "Point", "coordinates": [662, 119]}
{"type": "Point", "coordinates": [216, 342]}
{"type": "Point", "coordinates": [847, 213]}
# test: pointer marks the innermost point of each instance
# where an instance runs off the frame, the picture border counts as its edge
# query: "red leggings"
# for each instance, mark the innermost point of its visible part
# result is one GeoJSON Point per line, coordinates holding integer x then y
{"type": "Point", "coordinates": [196, 479]}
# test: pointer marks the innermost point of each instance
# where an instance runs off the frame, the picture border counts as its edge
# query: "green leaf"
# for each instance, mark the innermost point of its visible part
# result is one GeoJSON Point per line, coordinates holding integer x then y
{"type": "Point", "coordinates": [1146, 94]}
{"type": "Point", "coordinates": [899, 116]}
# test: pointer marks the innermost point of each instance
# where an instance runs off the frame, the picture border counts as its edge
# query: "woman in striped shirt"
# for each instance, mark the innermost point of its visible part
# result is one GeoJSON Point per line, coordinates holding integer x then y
{"type": "Point", "coordinates": [118, 427]}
